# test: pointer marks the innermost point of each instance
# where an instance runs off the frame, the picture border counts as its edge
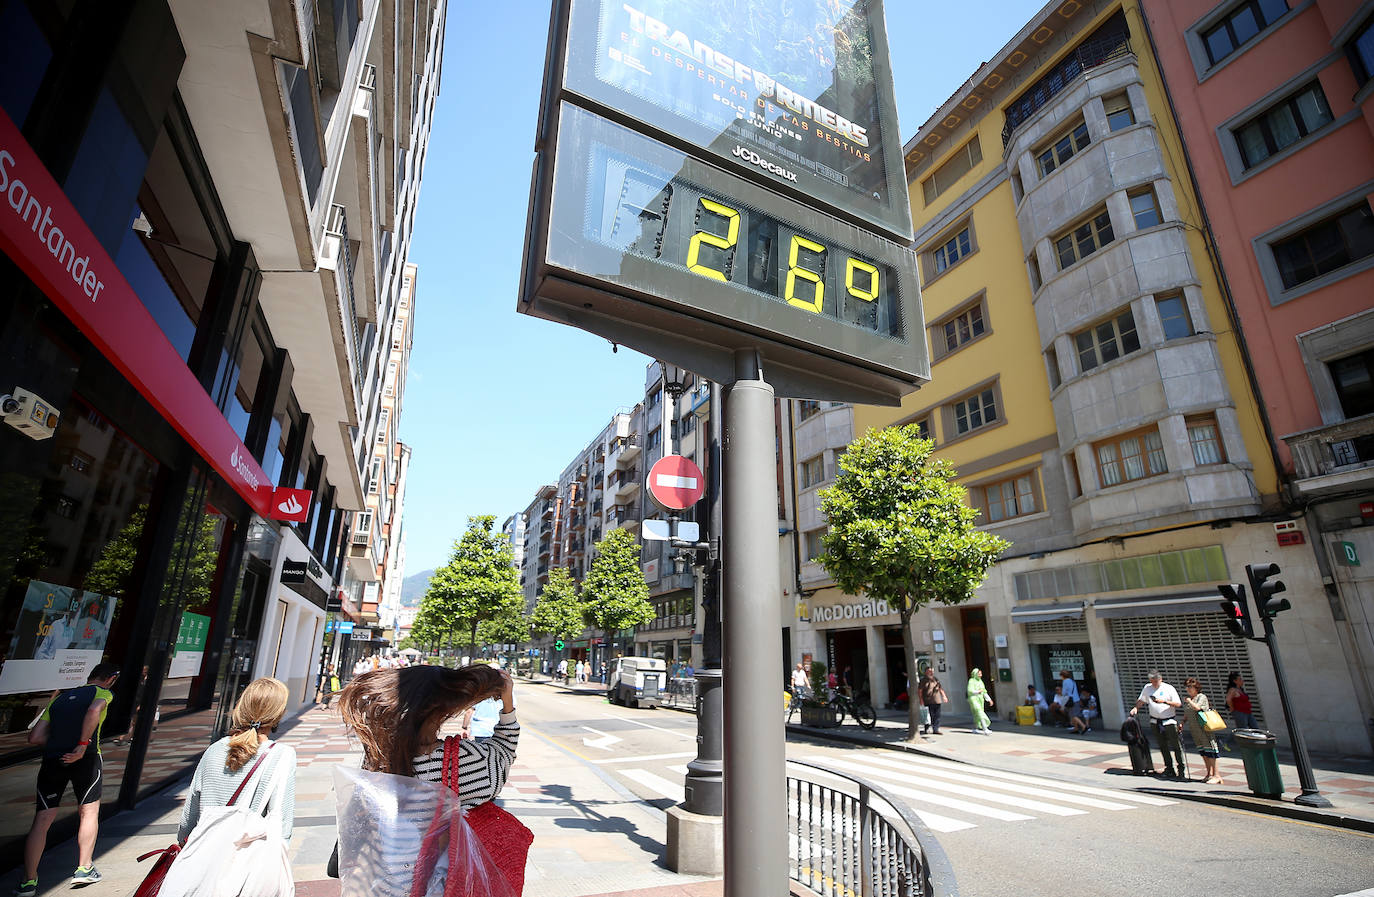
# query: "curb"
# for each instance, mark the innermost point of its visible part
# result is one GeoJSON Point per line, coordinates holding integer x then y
{"type": "Point", "coordinates": [1244, 802]}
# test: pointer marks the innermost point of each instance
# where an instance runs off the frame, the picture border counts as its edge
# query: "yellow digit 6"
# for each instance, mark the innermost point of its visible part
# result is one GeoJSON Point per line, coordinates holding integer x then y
{"type": "Point", "coordinates": [869, 294]}
{"type": "Point", "coordinates": [793, 272]}
{"type": "Point", "coordinates": [725, 243]}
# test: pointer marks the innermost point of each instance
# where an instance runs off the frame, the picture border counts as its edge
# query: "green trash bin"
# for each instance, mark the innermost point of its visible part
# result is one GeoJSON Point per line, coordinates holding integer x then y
{"type": "Point", "coordinates": [1257, 749]}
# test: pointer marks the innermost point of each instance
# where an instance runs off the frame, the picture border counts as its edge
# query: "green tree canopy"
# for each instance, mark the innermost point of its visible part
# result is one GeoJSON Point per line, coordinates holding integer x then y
{"type": "Point", "coordinates": [559, 611]}
{"type": "Point", "coordinates": [901, 531]}
{"type": "Point", "coordinates": [614, 593]}
{"type": "Point", "coordinates": [479, 584]}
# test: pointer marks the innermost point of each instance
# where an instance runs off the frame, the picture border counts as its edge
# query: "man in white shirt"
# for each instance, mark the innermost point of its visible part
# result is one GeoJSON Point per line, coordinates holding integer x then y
{"type": "Point", "coordinates": [1163, 702]}
{"type": "Point", "coordinates": [800, 682]}
{"type": "Point", "coordinates": [1035, 699]}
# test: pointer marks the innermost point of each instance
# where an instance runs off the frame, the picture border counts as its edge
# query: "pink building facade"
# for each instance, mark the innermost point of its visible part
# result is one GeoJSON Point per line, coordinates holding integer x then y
{"type": "Point", "coordinates": [1275, 100]}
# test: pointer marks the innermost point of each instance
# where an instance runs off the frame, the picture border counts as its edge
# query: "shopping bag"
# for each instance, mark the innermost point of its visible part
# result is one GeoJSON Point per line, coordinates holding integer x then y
{"type": "Point", "coordinates": [1211, 721]}
{"type": "Point", "coordinates": [1025, 715]}
{"type": "Point", "coordinates": [152, 882]}
{"type": "Point", "coordinates": [405, 837]}
{"type": "Point", "coordinates": [505, 838]}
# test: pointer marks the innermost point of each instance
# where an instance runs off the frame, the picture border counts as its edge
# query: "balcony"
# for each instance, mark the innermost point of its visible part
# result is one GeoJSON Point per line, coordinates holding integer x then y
{"type": "Point", "coordinates": [576, 547]}
{"type": "Point", "coordinates": [546, 510]}
{"type": "Point", "coordinates": [624, 485]}
{"type": "Point", "coordinates": [545, 548]}
{"type": "Point", "coordinates": [622, 516]}
{"type": "Point", "coordinates": [363, 559]}
{"type": "Point", "coordinates": [337, 255]}
{"type": "Point", "coordinates": [598, 476]}
{"type": "Point", "coordinates": [577, 521]}
{"type": "Point", "coordinates": [579, 495]}
{"type": "Point", "coordinates": [624, 450]}
{"type": "Point", "coordinates": [1106, 44]}
{"type": "Point", "coordinates": [1334, 458]}
{"type": "Point", "coordinates": [581, 474]}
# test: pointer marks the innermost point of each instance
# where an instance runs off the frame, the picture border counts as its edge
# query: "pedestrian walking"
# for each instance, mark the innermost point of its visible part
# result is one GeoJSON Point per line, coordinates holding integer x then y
{"type": "Point", "coordinates": [933, 697]}
{"type": "Point", "coordinates": [800, 683]}
{"type": "Point", "coordinates": [978, 700]}
{"type": "Point", "coordinates": [1238, 702]}
{"type": "Point", "coordinates": [69, 732]}
{"type": "Point", "coordinates": [1163, 702]}
{"type": "Point", "coordinates": [1197, 704]}
{"type": "Point", "coordinates": [331, 687]}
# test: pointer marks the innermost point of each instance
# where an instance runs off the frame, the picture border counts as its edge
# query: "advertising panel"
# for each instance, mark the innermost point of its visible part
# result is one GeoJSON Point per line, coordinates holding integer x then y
{"type": "Point", "coordinates": [190, 646]}
{"type": "Point", "coordinates": [59, 637]}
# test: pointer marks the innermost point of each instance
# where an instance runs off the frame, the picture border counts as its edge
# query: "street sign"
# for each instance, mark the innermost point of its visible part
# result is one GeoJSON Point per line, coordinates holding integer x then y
{"type": "Point", "coordinates": [676, 483]}
{"type": "Point", "coordinates": [558, 645]}
{"type": "Point", "coordinates": [345, 627]}
{"type": "Point", "coordinates": [293, 572]}
{"type": "Point", "coordinates": [655, 531]}
{"type": "Point", "coordinates": [730, 179]}
{"type": "Point", "coordinates": [1346, 555]}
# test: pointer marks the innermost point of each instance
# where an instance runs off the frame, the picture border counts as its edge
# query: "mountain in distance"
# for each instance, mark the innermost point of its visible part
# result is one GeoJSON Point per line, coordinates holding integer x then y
{"type": "Point", "coordinates": [413, 588]}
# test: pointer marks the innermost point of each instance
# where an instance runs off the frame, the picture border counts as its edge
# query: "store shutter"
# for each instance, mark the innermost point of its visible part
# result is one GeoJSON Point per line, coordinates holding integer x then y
{"type": "Point", "coordinates": [1179, 646]}
{"type": "Point", "coordinates": [1051, 632]}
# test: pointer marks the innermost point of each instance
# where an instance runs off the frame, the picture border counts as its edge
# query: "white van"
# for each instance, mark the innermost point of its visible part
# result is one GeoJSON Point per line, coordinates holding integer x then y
{"type": "Point", "coordinates": [637, 680]}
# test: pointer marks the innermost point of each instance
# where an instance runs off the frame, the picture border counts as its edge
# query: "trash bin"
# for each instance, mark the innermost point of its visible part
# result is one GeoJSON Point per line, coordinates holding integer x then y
{"type": "Point", "coordinates": [1261, 761]}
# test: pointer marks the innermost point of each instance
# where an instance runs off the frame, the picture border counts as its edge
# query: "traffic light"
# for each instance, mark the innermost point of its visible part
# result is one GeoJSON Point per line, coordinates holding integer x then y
{"type": "Point", "coordinates": [1266, 605]}
{"type": "Point", "coordinates": [1237, 609]}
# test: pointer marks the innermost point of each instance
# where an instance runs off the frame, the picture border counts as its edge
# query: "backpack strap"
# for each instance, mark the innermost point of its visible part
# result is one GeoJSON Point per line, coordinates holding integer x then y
{"type": "Point", "coordinates": [262, 755]}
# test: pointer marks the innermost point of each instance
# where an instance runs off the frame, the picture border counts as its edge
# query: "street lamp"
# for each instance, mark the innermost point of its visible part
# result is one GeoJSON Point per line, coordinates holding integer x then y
{"type": "Point", "coordinates": [674, 380]}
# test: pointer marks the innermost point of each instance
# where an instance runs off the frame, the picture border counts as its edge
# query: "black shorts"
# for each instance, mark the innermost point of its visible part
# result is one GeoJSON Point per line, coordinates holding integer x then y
{"type": "Point", "coordinates": [84, 775]}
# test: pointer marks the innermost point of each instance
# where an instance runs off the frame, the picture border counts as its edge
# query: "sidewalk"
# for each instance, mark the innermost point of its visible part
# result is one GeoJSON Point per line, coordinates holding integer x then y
{"type": "Point", "coordinates": [1100, 758]}
{"type": "Point", "coordinates": [591, 836]}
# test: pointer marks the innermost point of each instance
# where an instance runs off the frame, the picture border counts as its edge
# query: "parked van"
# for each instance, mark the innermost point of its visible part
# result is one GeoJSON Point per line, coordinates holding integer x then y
{"type": "Point", "coordinates": [636, 681]}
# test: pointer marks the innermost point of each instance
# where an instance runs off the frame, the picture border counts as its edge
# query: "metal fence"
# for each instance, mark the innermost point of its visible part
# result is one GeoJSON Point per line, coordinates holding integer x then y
{"type": "Point", "coordinates": [846, 838]}
{"type": "Point", "coordinates": [680, 692]}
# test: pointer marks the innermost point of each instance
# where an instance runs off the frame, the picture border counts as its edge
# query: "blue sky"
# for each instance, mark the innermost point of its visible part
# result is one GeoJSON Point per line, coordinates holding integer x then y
{"type": "Point", "coordinates": [497, 402]}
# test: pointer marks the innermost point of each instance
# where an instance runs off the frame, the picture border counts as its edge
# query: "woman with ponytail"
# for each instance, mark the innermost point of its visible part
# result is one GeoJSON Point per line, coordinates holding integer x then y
{"type": "Point", "coordinates": [248, 751]}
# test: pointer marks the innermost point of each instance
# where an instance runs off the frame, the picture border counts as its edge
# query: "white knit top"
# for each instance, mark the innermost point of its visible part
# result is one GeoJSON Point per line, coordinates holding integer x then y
{"type": "Point", "coordinates": [213, 785]}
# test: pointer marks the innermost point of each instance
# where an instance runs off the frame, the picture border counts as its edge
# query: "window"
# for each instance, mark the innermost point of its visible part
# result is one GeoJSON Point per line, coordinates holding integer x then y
{"type": "Point", "coordinates": [382, 422]}
{"type": "Point", "coordinates": [1361, 52]}
{"type": "Point", "coordinates": [688, 424]}
{"type": "Point", "coordinates": [1052, 366]}
{"type": "Point", "coordinates": [1145, 209]}
{"type": "Point", "coordinates": [923, 428]}
{"type": "Point", "coordinates": [813, 546]}
{"type": "Point", "coordinates": [812, 471]}
{"type": "Point", "coordinates": [1009, 498]}
{"type": "Point", "coordinates": [654, 398]}
{"type": "Point", "coordinates": [1173, 315]}
{"type": "Point", "coordinates": [1033, 268]}
{"type": "Point", "coordinates": [958, 165]}
{"type": "Point", "coordinates": [1131, 457]}
{"type": "Point", "coordinates": [390, 379]}
{"type": "Point", "coordinates": [1326, 246]}
{"type": "Point", "coordinates": [1353, 377]}
{"type": "Point", "coordinates": [1241, 26]}
{"type": "Point", "coordinates": [1063, 148]}
{"type": "Point", "coordinates": [1017, 191]}
{"type": "Point", "coordinates": [1205, 439]}
{"type": "Point", "coordinates": [1085, 239]}
{"type": "Point", "coordinates": [974, 412]}
{"type": "Point", "coordinates": [1282, 125]}
{"type": "Point", "coordinates": [655, 439]}
{"type": "Point", "coordinates": [1118, 109]}
{"type": "Point", "coordinates": [1106, 341]}
{"type": "Point", "coordinates": [79, 462]}
{"type": "Point", "coordinates": [807, 408]}
{"type": "Point", "coordinates": [955, 248]}
{"type": "Point", "coordinates": [962, 328]}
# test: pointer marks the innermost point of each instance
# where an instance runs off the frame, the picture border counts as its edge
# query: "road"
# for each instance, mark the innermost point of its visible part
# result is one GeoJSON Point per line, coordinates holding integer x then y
{"type": "Point", "coordinates": [1005, 833]}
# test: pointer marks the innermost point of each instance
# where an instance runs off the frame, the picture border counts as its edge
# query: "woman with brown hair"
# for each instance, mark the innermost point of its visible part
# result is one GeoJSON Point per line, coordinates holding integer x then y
{"type": "Point", "coordinates": [1196, 703]}
{"type": "Point", "coordinates": [248, 751]}
{"type": "Point", "coordinates": [397, 715]}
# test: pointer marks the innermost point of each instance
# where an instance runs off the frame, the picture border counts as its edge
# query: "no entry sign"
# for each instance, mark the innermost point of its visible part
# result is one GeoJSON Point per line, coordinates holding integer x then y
{"type": "Point", "coordinates": [675, 483]}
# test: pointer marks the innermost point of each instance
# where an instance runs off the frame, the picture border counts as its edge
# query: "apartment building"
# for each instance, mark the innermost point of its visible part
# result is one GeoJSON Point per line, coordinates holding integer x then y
{"type": "Point", "coordinates": [1091, 388]}
{"type": "Point", "coordinates": [1275, 104]}
{"type": "Point", "coordinates": [215, 208]}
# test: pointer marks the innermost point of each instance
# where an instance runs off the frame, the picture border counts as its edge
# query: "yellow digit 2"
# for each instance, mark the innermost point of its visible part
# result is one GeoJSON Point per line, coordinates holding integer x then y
{"type": "Point", "coordinates": [725, 243]}
{"type": "Point", "coordinates": [869, 294]}
{"type": "Point", "coordinates": [794, 271]}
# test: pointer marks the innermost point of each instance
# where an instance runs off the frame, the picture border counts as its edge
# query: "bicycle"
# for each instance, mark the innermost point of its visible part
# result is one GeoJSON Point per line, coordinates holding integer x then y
{"type": "Point", "coordinates": [861, 711]}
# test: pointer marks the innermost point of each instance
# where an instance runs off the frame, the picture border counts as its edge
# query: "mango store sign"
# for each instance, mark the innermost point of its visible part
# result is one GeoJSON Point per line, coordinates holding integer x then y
{"type": "Point", "coordinates": [42, 232]}
{"type": "Point", "coordinates": [865, 610]}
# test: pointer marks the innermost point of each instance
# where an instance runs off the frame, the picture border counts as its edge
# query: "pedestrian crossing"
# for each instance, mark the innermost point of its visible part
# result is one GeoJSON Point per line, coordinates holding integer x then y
{"type": "Point", "coordinates": [947, 797]}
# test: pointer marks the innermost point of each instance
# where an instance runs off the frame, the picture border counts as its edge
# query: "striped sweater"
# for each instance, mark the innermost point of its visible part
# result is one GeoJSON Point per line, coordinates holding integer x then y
{"type": "Point", "coordinates": [213, 785]}
{"type": "Point", "coordinates": [482, 765]}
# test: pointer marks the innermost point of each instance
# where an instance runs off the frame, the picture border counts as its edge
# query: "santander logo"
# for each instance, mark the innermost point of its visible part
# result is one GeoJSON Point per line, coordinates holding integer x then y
{"type": "Point", "coordinates": [237, 463]}
{"type": "Point", "coordinates": [291, 507]}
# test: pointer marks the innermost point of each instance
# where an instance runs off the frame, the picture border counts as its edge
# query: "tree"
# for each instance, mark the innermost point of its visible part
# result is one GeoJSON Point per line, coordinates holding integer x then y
{"type": "Point", "coordinates": [901, 531]}
{"type": "Point", "coordinates": [559, 611]}
{"type": "Point", "coordinates": [479, 584]}
{"type": "Point", "coordinates": [614, 593]}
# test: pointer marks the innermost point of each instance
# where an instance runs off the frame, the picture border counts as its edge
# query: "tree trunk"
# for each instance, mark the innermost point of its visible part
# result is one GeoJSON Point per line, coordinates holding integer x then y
{"type": "Point", "coordinates": [472, 642]}
{"type": "Point", "coordinates": [913, 679]}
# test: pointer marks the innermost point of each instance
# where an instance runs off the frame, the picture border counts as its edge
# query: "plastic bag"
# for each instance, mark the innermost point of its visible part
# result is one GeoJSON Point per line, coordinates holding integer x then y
{"type": "Point", "coordinates": [405, 837]}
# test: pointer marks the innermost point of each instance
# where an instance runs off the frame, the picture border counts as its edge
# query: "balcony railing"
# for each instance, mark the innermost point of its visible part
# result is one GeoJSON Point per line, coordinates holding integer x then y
{"type": "Point", "coordinates": [1105, 45]}
{"type": "Point", "coordinates": [337, 227]}
{"type": "Point", "coordinates": [1342, 448]}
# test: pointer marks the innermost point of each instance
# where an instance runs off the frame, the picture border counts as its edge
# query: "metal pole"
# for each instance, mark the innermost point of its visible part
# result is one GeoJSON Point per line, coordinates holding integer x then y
{"type": "Point", "coordinates": [755, 776]}
{"type": "Point", "coordinates": [705, 782]}
{"type": "Point", "coordinates": [1310, 796]}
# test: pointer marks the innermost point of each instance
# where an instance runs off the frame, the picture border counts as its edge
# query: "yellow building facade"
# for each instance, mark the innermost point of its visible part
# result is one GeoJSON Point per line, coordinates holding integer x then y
{"type": "Point", "coordinates": [1090, 387]}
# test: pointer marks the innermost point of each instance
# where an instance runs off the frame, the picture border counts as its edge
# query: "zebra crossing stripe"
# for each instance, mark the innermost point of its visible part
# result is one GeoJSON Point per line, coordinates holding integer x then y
{"type": "Point", "coordinates": [979, 794]}
{"type": "Point", "coordinates": [939, 800]}
{"type": "Point", "coordinates": [681, 770]}
{"type": "Point", "coordinates": [934, 821]}
{"type": "Point", "coordinates": [657, 784]}
{"type": "Point", "coordinates": [1051, 791]}
{"type": "Point", "coordinates": [939, 765]}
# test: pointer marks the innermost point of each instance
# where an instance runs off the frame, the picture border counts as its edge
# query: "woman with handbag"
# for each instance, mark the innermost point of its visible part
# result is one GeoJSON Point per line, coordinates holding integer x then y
{"type": "Point", "coordinates": [1196, 708]}
{"type": "Point", "coordinates": [397, 715]}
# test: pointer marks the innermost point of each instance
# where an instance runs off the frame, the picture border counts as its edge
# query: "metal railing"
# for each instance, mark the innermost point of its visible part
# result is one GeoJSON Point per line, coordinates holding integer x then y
{"type": "Point", "coordinates": [1096, 50]}
{"type": "Point", "coordinates": [681, 691]}
{"type": "Point", "coordinates": [847, 838]}
{"type": "Point", "coordinates": [1336, 448]}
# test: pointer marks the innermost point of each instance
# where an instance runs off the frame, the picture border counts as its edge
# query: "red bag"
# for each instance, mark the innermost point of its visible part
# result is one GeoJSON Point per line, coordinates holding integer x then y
{"type": "Point", "coordinates": [507, 840]}
{"type": "Point", "coordinates": [152, 882]}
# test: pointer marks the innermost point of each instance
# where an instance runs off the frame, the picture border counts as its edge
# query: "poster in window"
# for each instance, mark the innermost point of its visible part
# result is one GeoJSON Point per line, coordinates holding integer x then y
{"type": "Point", "coordinates": [59, 636]}
{"type": "Point", "coordinates": [190, 646]}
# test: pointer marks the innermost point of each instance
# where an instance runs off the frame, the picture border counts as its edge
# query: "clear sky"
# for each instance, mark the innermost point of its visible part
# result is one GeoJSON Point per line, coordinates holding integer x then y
{"type": "Point", "coordinates": [497, 402]}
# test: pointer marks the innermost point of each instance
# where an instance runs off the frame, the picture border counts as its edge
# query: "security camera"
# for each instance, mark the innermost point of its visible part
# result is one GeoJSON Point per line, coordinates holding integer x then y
{"type": "Point", "coordinates": [29, 413]}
